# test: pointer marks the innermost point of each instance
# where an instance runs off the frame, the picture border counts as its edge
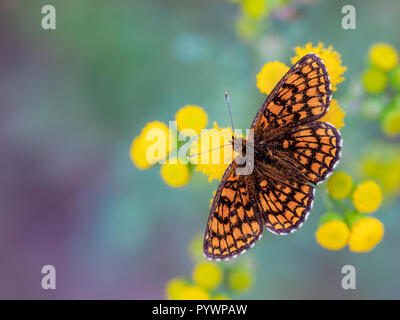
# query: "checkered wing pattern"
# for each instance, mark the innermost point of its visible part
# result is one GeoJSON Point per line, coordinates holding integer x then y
{"type": "Point", "coordinates": [284, 205]}
{"type": "Point", "coordinates": [234, 223]}
{"type": "Point", "coordinates": [303, 95]}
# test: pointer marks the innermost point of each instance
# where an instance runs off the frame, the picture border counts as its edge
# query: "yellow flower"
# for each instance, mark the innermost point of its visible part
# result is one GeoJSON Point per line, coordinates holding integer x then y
{"type": "Point", "coordinates": [269, 76]}
{"type": "Point", "coordinates": [330, 58]}
{"type": "Point", "coordinates": [194, 293]}
{"type": "Point", "coordinates": [174, 288]}
{"type": "Point", "coordinates": [175, 173]}
{"type": "Point", "coordinates": [152, 145]}
{"type": "Point", "coordinates": [391, 122]}
{"type": "Point", "coordinates": [335, 115]}
{"type": "Point", "coordinates": [255, 8]}
{"type": "Point", "coordinates": [367, 197]}
{"type": "Point", "coordinates": [138, 153]}
{"type": "Point", "coordinates": [191, 117]}
{"type": "Point", "coordinates": [207, 275]}
{"type": "Point", "coordinates": [365, 234]}
{"type": "Point", "coordinates": [384, 56]}
{"type": "Point", "coordinates": [240, 279]}
{"type": "Point", "coordinates": [333, 235]}
{"type": "Point", "coordinates": [218, 140]}
{"type": "Point", "coordinates": [374, 80]}
{"type": "Point", "coordinates": [339, 185]}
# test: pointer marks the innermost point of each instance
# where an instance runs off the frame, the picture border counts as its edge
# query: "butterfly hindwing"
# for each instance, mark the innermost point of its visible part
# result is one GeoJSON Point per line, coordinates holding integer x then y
{"type": "Point", "coordinates": [234, 223]}
{"type": "Point", "coordinates": [285, 206]}
{"type": "Point", "coordinates": [303, 95]}
{"type": "Point", "coordinates": [316, 146]}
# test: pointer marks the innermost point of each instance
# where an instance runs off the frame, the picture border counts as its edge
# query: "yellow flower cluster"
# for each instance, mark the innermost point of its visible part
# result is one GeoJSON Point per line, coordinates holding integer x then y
{"type": "Point", "coordinates": [156, 141]}
{"type": "Point", "coordinates": [382, 58]}
{"type": "Point", "coordinates": [272, 72]}
{"type": "Point", "coordinates": [359, 232]}
{"type": "Point", "coordinates": [382, 79]}
{"type": "Point", "coordinates": [355, 229]}
{"type": "Point", "coordinates": [208, 278]}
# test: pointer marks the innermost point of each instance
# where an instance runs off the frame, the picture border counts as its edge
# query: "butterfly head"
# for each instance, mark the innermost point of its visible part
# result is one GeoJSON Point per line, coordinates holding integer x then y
{"type": "Point", "coordinates": [238, 144]}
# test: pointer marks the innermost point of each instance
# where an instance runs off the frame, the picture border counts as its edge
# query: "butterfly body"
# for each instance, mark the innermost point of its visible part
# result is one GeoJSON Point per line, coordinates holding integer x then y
{"type": "Point", "coordinates": [292, 153]}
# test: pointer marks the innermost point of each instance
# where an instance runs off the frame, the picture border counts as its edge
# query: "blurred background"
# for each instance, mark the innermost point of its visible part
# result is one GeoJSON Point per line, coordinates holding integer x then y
{"type": "Point", "coordinates": [72, 99]}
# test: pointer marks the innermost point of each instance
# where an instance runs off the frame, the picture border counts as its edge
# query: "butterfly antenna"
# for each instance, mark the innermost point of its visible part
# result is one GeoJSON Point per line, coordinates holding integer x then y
{"type": "Point", "coordinates": [195, 155]}
{"type": "Point", "coordinates": [229, 109]}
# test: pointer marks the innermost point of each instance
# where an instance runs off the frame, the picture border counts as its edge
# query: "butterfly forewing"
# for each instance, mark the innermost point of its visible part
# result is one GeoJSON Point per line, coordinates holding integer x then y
{"type": "Point", "coordinates": [303, 95]}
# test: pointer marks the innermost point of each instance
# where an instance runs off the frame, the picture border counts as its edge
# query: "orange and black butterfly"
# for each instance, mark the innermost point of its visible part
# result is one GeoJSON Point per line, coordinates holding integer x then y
{"type": "Point", "coordinates": [292, 153]}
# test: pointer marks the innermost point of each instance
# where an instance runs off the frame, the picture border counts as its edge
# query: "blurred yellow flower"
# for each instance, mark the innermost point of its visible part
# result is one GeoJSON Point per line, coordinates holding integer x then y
{"type": "Point", "coordinates": [391, 122]}
{"type": "Point", "coordinates": [154, 135]}
{"type": "Point", "coordinates": [175, 173]}
{"type": "Point", "coordinates": [384, 56]}
{"type": "Point", "coordinates": [191, 117]}
{"type": "Point", "coordinates": [335, 115]}
{"type": "Point", "coordinates": [240, 279]}
{"type": "Point", "coordinates": [207, 275]}
{"type": "Point", "coordinates": [255, 8]}
{"type": "Point", "coordinates": [138, 153]}
{"type": "Point", "coordinates": [269, 76]}
{"type": "Point", "coordinates": [213, 163]}
{"type": "Point", "coordinates": [365, 234]}
{"type": "Point", "coordinates": [339, 185]}
{"type": "Point", "coordinates": [174, 288]}
{"type": "Point", "coordinates": [374, 80]}
{"type": "Point", "coordinates": [333, 235]}
{"type": "Point", "coordinates": [194, 293]}
{"type": "Point", "coordinates": [367, 196]}
{"type": "Point", "coordinates": [330, 58]}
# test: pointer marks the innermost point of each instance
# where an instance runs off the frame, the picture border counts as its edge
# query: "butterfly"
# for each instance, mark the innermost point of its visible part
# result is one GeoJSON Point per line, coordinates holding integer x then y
{"type": "Point", "coordinates": [293, 152]}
